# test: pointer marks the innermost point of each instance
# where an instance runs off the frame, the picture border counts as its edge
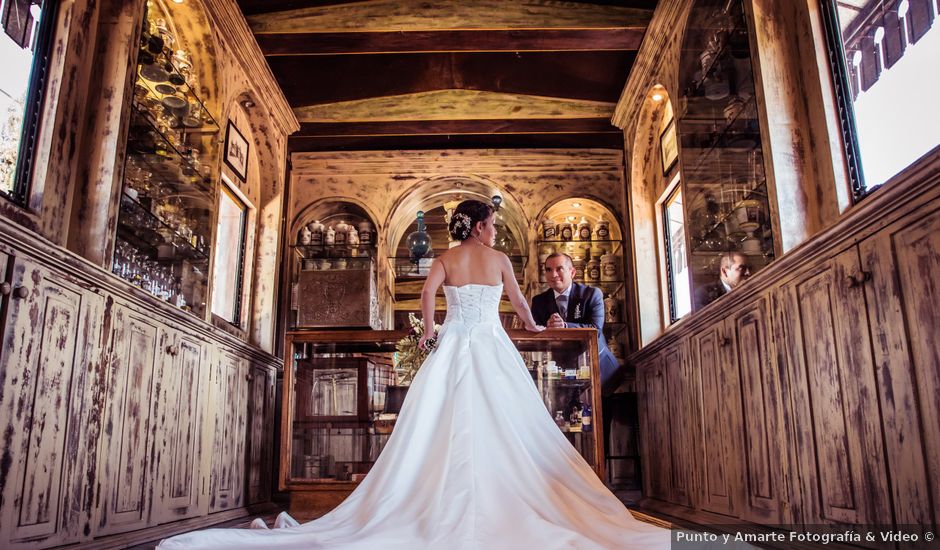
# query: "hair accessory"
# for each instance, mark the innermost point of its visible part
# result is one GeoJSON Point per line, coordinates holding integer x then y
{"type": "Point", "coordinates": [461, 225]}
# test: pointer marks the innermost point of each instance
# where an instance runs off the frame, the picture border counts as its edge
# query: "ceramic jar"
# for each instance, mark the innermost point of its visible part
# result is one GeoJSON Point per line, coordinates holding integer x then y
{"type": "Point", "coordinates": [342, 230]}
{"type": "Point", "coordinates": [365, 232]}
{"type": "Point", "coordinates": [548, 229]}
{"type": "Point", "coordinates": [316, 232]}
{"type": "Point", "coordinates": [609, 270]}
{"type": "Point", "coordinates": [584, 229]}
{"type": "Point", "coordinates": [304, 238]}
{"type": "Point", "coordinates": [592, 272]}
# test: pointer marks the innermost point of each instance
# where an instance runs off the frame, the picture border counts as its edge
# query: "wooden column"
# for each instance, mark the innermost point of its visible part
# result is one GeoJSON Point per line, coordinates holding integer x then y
{"type": "Point", "coordinates": [799, 123]}
{"type": "Point", "coordinates": [98, 185]}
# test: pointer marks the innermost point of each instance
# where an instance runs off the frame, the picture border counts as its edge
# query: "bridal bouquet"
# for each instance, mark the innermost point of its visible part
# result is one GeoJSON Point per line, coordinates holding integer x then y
{"type": "Point", "coordinates": [410, 356]}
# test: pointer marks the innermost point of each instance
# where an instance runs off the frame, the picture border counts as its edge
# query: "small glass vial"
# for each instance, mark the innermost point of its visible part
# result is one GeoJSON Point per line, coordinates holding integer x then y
{"type": "Point", "coordinates": [560, 420]}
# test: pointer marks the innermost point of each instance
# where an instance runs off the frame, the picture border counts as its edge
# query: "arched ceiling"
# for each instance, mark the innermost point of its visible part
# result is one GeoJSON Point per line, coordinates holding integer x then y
{"type": "Point", "coordinates": [412, 74]}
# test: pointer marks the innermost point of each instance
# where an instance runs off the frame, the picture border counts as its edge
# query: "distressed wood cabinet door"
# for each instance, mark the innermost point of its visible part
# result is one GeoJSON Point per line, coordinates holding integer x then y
{"type": "Point", "coordinates": [903, 261]}
{"type": "Point", "coordinates": [226, 486]}
{"type": "Point", "coordinates": [676, 378]}
{"type": "Point", "coordinates": [835, 398]}
{"type": "Point", "coordinates": [125, 471]}
{"type": "Point", "coordinates": [655, 420]}
{"type": "Point", "coordinates": [718, 464]}
{"type": "Point", "coordinates": [183, 398]}
{"type": "Point", "coordinates": [49, 369]}
{"type": "Point", "coordinates": [261, 432]}
{"type": "Point", "coordinates": [763, 442]}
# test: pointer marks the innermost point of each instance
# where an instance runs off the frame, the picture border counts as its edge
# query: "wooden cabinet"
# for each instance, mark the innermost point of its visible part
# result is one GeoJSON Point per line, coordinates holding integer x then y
{"type": "Point", "coordinates": [48, 371]}
{"type": "Point", "coordinates": [261, 407]}
{"type": "Point", "coordinates": [133, 358]}
{"type": "Point", "coordinates": [903, 295]}
{"type": "Point", "coordinates": [664, 398]}
{"type": "Point", "coordinates": [718, 465]}
{"type": "Point", "coordinates": [230, 388]}
{"type": "Point", "coordinates": [182, 399]}
{"type": "Point", "coordinates": [817, 389]}
{"type": "Point", "coordinates": [762, 445]}
{"type": "Point", "coordinates": [838, 435]}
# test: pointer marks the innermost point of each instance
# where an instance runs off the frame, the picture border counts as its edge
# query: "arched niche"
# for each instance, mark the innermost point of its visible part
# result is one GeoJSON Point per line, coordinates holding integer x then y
{"type": "Point", "coordinates": [573, 209]}
{"type": "Point", "coordinates": [331, 212]}
{"type": "Point", "coordinates": [647, 184]}
{"type": "Point", "coordinates": [435, 192]}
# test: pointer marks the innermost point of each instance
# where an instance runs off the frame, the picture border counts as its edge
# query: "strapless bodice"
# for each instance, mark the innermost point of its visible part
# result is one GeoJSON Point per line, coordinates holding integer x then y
{"type": "Point", "coordinates": [473, 303]}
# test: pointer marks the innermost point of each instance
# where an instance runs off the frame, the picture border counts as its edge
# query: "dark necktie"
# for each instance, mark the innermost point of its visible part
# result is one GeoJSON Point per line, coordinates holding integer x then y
{"type": "Point", "coordinates": [562, 302]}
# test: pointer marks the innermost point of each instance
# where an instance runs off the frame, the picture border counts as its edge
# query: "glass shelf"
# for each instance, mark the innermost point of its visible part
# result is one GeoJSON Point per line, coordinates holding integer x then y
{"type": "Point", "coordinates": [405, 268]}
{"type": "Point", "coordinates": [167, 209]}
{"type": "Point", "coordinates": [334, 251]}
{"type": "Point", "coordinates": [146, 231]}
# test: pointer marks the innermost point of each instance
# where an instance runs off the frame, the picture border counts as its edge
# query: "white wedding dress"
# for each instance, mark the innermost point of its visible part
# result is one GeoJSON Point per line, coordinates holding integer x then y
{"type": "Point", "coordinates": [475, 462]}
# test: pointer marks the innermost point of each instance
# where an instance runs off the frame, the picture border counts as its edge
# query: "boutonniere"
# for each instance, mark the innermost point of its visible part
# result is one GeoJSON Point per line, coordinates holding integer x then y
{"type": "Point", "coordinates": [577, 311]}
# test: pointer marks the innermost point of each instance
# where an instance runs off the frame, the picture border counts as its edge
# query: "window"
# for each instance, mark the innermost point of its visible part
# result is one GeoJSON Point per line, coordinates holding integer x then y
{"type": "Point", "coordinates": [228, 277]}
{"type": "Point", "coordinates": [24, 55]}
{"type": "Point", "coordinates": [677, 265]}
{"type": "Point", "coordinates": [883, 55]}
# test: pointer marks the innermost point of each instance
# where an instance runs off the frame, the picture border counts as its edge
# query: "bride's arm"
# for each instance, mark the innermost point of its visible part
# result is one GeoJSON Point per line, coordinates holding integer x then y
{"type": "Point", "coordinates": [514, 293]}
{"type": "Point", "coordinates": [428, 297]}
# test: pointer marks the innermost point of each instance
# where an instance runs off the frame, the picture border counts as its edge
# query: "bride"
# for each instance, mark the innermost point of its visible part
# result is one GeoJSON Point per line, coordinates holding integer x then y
{"type": "Point", "coordinates": [475, 460]}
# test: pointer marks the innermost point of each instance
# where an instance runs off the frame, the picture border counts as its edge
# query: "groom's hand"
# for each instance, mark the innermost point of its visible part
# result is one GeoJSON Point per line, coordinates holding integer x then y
{"type": "Point", "coordinates": [555, 321]}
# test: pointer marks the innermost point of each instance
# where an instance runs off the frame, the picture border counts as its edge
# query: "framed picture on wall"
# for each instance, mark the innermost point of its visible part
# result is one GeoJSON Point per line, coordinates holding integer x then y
{"type": "Point", "coordinates": [668, 146]}
{"type": "Point", "coordinates": [236, 151]}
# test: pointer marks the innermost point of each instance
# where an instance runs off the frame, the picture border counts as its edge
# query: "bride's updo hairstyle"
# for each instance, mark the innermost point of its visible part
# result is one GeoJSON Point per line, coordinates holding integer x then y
{"type": "Point", "coordinates": [466, 216]}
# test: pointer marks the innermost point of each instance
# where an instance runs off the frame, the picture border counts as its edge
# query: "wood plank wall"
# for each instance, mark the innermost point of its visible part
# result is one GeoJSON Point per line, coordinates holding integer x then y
{"type": "Point", "coordinates": [808, 395]}
{"type": "Point", "coordinates": [119, 412]}
{"type": "Point", "coordinates": [126, 419]}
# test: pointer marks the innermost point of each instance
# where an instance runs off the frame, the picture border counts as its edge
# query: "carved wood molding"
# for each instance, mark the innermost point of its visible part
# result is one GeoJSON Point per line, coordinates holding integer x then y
{"type": "Point", "coordinates": [233, 31]}
{"type": "Point", "coordinates": [900, 196]}
{"type": "Point", "coordinates": [84, 273]}
{"type": "Point", "coordinates": [667, 24]}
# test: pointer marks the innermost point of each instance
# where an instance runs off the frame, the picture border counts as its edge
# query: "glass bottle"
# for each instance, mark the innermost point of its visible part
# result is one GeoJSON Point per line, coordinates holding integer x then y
{"type": "Point", "coordinates": [587, 424]}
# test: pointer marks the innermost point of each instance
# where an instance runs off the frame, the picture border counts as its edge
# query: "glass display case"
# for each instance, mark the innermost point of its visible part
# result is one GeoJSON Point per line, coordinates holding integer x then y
{"type": "Point", "coordinates": [722, 162]}
{"type": "Point", "coordinates": [168, 201]}
{"type": "Point", "coordinates": [341, 402]}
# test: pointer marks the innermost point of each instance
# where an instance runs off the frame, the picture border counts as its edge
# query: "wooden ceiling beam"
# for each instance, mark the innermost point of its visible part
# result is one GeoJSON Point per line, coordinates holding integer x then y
{"type": "Point", "coordinates": [605, 140]}
{"type": "Point", "coordinates": [426, 41]}
{"type": "Point", "coordinates": [454, 127]}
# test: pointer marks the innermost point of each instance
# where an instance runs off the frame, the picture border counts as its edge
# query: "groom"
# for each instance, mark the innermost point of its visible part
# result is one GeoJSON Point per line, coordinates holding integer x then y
{"type": "Point", "coordinates": [572, 305]}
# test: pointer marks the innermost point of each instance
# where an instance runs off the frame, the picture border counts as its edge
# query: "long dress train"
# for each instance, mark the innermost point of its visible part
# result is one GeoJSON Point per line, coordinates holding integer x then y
{"type": "Point", "coordinates": [475, 462]}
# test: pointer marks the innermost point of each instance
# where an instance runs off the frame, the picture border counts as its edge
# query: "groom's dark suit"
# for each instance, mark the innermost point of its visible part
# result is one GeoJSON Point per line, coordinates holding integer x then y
{"type": "Point", "coordinates": [585, 310]}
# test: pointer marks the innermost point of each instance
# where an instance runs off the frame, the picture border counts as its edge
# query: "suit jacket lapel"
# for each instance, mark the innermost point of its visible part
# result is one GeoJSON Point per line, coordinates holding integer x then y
{"type": "Point", "coordinates": [574, 298]}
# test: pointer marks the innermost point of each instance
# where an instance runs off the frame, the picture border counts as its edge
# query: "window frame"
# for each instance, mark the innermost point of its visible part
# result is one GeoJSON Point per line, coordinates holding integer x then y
{"type": "Point", "coordinates": [34, 104]}
{"type": "Point", "coordinates": [666, 242]}
{"type": "Point", "coordinates": [846, 111]}
{"type": "Point", "coordinates": [227, 188]}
